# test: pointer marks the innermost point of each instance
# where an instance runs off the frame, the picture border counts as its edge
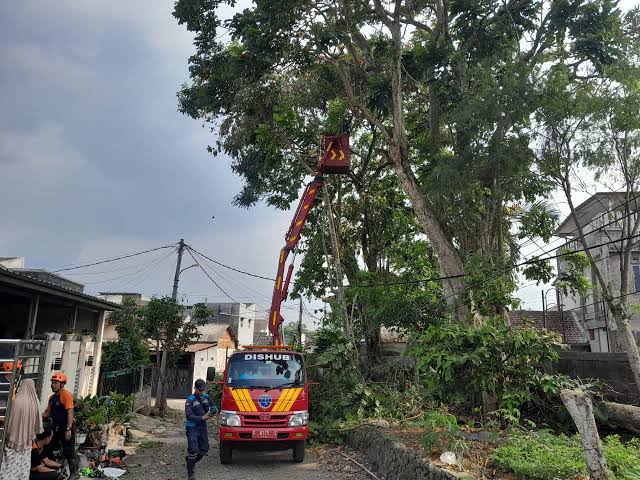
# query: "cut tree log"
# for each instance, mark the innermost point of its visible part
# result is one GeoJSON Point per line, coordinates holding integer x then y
{"type": "Point", "coordinates": [579, 405]}
{"type": "Point", "coordinates": [622, 416]}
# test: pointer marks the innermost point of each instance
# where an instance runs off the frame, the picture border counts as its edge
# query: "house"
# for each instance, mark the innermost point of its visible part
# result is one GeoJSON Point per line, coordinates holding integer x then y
{"type": "Point", "coordinates": [565, 324]}
{"type": "Point", "coordinates": [601, 217]}
{"type": "Point", "coordinates": [39, 305]}
{"type": "Point", "coordinates": [239, 317]}
{"type": "Point", "coordinates": [261, 333]}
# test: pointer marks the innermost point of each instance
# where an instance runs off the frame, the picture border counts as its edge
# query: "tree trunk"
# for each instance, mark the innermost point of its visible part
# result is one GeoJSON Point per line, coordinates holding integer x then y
{"type": "Point", "coordinates": [161, 393]}
{"type": "Point", "coordinates": [627, 340]}
{"type": "Point", "coordinates": [581, 409]}
{"type": "Point", "coordinates": [623, 416]}
{"type": "Point", "coordinates": [448, 259]}
{"type": "Point", "coordinates": [335, 244]}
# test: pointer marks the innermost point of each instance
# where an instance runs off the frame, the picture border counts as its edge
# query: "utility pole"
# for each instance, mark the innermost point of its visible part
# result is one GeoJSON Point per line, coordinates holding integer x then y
{"type": "Point", "coordinates": [161, 388]}
{"type": "Point", "coordinates": [300, 323]}
{"type": "Point", "coordinates": [176, 278]}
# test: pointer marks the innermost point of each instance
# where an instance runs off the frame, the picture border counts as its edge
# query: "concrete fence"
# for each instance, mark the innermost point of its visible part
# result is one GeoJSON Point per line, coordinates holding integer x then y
{"type": "Point", "coordinates": [612, 368]}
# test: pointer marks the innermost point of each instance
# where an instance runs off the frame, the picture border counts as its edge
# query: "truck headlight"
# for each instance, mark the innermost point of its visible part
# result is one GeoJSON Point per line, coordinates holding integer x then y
{"type": "Point", "coordinates": [298, 419]}
{"type": "Point", "coordinates": [230, 419]}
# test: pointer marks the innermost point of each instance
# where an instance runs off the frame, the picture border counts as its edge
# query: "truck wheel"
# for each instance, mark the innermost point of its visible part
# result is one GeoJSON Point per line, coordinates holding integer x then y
{"type": "Point", "coordinates": [298, 451]}
{"type": "Point", "coordinates": [225, 453]}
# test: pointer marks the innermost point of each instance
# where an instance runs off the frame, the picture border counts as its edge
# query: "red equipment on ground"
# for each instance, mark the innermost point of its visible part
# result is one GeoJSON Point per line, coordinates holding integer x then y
{"type": "Point", "coordinates": [335, 159]}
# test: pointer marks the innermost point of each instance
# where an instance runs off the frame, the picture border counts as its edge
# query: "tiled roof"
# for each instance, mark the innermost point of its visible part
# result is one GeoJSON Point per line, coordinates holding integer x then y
{"type": "Point", "coordinates": [555, 322]}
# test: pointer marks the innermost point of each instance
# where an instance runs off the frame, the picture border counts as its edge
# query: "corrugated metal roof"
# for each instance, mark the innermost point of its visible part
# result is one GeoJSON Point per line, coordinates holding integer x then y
{"type": "Point", "coordinates": [41, 286]}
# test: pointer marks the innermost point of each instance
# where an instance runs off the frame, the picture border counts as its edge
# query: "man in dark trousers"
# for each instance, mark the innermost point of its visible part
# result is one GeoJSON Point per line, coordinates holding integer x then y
{"type": "Point", "coordinates": [197, 409]}
{"type": "Point", "coordinates": [60, 410]}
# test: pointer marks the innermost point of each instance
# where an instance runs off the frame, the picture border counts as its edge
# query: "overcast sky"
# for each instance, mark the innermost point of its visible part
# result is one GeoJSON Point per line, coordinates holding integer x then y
{"type": "Point", "coordinates": [95, 160]}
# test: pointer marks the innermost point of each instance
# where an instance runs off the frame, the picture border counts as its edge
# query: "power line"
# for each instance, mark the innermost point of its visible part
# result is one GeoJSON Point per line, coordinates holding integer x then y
{"type": "Point", "coordinates": [209, 276]}
{"type": "Point", "coordinates": [113, 259]}
{"type": "Point", "coordinates": [466, 289]}
{"type": "Point", "coordinates": [232, 268]}
{"type": "Point", "coordinates": [142, 274]}
{"type": "Point", "coordinates": [143, 266]}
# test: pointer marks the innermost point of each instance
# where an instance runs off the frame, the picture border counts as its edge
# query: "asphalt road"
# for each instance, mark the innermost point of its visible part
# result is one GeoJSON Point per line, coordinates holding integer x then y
{"type": "Point", "coordinates": [161, 457]}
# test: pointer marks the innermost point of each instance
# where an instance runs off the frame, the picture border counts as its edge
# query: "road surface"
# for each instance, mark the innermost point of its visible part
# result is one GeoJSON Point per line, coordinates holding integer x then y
{"type": "Point", "coordinates": [161, 457]}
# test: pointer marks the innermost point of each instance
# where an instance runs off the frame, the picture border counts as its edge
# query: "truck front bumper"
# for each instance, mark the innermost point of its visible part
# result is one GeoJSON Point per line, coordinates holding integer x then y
{"type": "Point", "coordinates": [254, 434]}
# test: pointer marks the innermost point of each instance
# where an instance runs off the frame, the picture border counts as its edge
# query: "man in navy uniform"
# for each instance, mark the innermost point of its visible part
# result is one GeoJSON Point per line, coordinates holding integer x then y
{"type": "Point", "coordinates": [197, 409]}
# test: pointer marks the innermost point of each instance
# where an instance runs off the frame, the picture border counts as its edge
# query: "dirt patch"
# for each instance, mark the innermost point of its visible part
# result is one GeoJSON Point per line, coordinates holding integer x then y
{"type": "Point", "coordinates": [476, 460]}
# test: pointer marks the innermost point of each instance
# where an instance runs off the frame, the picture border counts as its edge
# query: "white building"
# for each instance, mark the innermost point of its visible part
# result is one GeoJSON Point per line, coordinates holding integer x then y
{"type": "Point", "coordinates": [601, 215]}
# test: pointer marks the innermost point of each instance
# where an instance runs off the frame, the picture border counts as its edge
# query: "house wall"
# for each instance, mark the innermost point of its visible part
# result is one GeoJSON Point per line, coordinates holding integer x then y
{"type": "Point", "coordinates": [204, 359]}
{"type": "Point", "coordinates": [591, 311]}
{"type": "Point", "coordinates": [210, 357]}
{"type": "Point", "coordinates": [246, 323]}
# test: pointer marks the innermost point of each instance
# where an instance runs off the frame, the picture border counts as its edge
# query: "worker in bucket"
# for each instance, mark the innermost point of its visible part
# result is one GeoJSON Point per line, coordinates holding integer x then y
{"type": "Point", "coordinates": [60, 410]}
{"type": "Point", "coordinates": [197, 409]}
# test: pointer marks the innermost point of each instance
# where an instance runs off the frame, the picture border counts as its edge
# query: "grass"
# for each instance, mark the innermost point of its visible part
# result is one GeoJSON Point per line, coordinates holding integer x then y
{"type": "Point", "coordinates": [544, 456]}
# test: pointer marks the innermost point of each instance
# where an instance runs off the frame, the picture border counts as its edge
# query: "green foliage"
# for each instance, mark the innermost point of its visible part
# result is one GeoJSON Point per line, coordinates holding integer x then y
{"type": "Point", "coordinates": [544, 456]}
{"type": "Point", "coordinates": [275, 83]}
{"type": "Point", "coordinates": [493, 282]}
{"type": "Point", "coordinates": [458, 363]}
{"type": "Point", "coordinates": [130, 349]}
{"type": "Point", "coordinates": [345, 397]}
{"type": "Point", "coordinates": [166, 317]}
{"type": "Point", "coordinates": [572, 279]}
{"type": "Point", "coordinates": [93, 413]}
{"type": "Point", "coordinates": [215, 389]}
{"type": "Point", "coordinates": [126, 352]}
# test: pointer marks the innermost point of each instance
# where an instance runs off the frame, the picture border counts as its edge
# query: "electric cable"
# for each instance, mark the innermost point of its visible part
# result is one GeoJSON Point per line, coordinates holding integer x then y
{"type": "Point", "coordinates": [113, 259]}
{"type": "Point", "coordinates": [231, 268]}
{"type": "Point", "coordinates": [211, 278]}
{"type": "Point", "coordinates": [142, 273]}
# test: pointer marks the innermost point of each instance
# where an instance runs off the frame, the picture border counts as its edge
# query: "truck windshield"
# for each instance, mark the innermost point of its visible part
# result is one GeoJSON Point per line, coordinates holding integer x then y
{"type": "Point", "coordinates": [266, 370]}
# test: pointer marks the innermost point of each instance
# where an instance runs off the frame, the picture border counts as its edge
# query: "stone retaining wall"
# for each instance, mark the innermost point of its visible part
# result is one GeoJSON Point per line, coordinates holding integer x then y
{"type": "Point", "coordinates": [393, 460]}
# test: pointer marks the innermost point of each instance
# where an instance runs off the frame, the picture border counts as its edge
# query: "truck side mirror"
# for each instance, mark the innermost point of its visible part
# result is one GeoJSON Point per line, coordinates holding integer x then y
{"type": "Point", "coordinates": [211, 374]}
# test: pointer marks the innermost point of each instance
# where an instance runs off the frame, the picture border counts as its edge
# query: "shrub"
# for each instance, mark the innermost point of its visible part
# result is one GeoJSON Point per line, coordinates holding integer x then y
{"type": "Point", "coordinates": [91, 413]}
{"type": "Point", "coordinates": [544, 456]}
{"type": "Point", "coordinates": [459, 362]}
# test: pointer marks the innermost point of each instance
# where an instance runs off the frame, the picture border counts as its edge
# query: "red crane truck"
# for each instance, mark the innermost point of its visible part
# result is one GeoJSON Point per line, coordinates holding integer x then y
{"type": "Point", "coordinates": [265, 392]}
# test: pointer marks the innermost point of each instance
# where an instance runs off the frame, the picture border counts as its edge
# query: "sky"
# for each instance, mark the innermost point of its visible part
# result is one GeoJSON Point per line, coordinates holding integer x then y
{"type": "Point", "coordinates": [96, 161]}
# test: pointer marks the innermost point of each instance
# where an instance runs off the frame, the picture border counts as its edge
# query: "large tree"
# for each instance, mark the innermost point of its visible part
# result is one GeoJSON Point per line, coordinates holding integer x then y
{"type": "Point", "coordinates": [444, 90]}
{"type": "Point", "coordinates": [594, 124]}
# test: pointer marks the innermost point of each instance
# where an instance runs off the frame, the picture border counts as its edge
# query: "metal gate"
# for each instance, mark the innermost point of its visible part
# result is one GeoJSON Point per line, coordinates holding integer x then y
{"type": "Point", "coordinates": [30, 355]}
{"type": "Point", "coordinates": [179, 381]}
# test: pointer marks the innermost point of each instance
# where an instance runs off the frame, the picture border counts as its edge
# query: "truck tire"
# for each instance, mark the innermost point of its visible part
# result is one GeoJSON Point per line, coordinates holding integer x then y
{"type": "Point", "coordinates": [298, 451]}
{"type": "Point", "coordinates": [226, 453]}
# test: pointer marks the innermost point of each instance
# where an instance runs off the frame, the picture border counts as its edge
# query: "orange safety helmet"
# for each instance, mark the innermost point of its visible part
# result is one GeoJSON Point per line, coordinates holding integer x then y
{"type": "Point", "coordinates": [8, 366]}
{"type": "Point", "coordinates": [60, 377]}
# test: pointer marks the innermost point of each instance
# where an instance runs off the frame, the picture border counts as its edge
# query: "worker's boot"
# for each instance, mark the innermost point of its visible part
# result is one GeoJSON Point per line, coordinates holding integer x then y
{"type": "Point", "coordinates": [191, 466]}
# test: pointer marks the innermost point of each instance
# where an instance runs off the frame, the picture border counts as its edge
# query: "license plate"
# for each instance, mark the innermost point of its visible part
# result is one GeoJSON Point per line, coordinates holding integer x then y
{"type": "Point", "coordinates": [264, 434]}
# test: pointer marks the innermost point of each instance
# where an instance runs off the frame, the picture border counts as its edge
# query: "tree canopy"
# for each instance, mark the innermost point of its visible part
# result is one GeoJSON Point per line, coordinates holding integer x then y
{"type": "Point", "coordinates": [439, 98]}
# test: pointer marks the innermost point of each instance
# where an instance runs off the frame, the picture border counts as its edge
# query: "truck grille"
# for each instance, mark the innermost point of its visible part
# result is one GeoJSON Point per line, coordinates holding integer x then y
{"type": "Point", "coordinates": [275, 421]}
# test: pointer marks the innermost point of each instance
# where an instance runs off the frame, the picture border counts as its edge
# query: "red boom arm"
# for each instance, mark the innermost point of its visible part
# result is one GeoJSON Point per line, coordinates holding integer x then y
{"type": "Point", "coordinates": [335, 159]}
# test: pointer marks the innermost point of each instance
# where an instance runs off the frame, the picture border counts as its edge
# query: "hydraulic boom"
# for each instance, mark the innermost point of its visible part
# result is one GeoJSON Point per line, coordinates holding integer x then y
{"type": "Point", "coordinates": [334, 159]}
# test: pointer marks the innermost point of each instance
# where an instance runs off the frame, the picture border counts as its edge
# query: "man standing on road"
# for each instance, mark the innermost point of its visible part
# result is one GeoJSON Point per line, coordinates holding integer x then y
{"type": "Point", "coordinates": [60, 410]}
{"type": "Point", "coordinates": [197, 409]}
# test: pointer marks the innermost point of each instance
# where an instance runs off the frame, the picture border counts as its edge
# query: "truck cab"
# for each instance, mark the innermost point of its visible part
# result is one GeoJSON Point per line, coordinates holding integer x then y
{"type": "Point", "coordinates": [265, 402]}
